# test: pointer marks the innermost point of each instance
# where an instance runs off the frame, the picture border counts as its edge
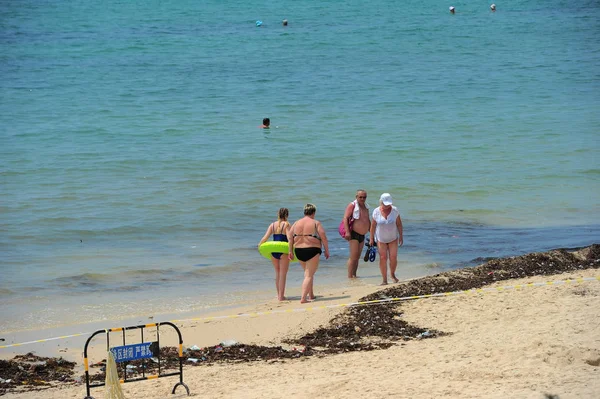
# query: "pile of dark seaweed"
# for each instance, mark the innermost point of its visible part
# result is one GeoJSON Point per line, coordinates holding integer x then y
{"type": "Point", "coordinates": [347, 331]}
{"type": "Point", "coordinates": [359, 328]}
{"type": "Point", "coordinates": [34, 372]}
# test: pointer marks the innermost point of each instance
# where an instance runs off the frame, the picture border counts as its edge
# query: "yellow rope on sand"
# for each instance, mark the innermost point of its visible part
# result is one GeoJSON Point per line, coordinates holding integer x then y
{"type": "Point", "coordinates": [113, 385]}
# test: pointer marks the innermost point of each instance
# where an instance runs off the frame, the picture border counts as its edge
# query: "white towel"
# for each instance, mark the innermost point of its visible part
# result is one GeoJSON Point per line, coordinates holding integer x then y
{"type": "Point", "coordinates": [356, 212]}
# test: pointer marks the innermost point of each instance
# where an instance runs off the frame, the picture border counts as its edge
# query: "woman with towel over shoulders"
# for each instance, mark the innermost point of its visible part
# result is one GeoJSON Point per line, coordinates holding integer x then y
{"type": "Point", "coordinates": [386, 229]}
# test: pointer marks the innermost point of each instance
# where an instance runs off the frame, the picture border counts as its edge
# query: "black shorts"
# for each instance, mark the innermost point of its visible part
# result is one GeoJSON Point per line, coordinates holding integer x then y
{"type": "Point", "coordinates": [358, 237]}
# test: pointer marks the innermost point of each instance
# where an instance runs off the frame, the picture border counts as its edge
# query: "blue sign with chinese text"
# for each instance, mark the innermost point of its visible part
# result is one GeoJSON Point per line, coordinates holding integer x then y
{"type": "Point", "coordinates": [127, 353]}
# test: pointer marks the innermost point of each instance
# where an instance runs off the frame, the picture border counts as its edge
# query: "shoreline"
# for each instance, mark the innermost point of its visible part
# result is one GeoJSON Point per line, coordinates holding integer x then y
{"type": "Point", "coordinates": [271, 328]}
{"type": "Point", "coordinates": [92, 296]}
{"type": "Point", "coordinates": [105, 295]}
{"type": "Point", "coordinates": [167, 306]}
{"type": "Point", "coordinates": [67, 340]}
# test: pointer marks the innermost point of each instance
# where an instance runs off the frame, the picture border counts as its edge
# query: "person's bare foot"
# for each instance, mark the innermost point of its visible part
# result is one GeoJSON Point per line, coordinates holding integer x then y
{"type": "Point", "coordinates": [384, 283]}
{"type": "Point", "coordinates": [395, 280]}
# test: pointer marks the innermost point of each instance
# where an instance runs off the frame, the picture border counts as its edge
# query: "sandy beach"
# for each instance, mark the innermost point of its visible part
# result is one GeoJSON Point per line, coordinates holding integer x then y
{"type": "Point", "coordinates": [525, 342]}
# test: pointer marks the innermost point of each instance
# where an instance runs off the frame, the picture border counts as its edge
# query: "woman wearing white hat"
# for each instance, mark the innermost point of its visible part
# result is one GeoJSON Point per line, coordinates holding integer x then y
{"type": "Point", "coordinates": [386, 229]}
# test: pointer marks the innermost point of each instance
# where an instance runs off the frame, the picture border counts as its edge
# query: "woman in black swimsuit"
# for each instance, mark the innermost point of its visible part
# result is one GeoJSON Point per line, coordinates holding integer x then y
{"type": "Point", "coordinates": [280, 230]}
{"type": "Point", "coordinates": [306, 238]}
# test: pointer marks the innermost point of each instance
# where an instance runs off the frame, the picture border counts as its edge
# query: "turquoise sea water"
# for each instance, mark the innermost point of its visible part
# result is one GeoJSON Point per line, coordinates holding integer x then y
{"type": "Point", "coordinates": [135, 180]}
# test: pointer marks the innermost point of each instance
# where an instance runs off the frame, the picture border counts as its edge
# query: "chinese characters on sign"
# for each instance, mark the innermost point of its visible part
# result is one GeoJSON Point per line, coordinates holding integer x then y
{"type": "Point", "coordinates": [127, 353]}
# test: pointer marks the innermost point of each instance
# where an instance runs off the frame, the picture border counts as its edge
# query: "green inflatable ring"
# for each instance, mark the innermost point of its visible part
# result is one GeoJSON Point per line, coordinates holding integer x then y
{"type": "Point", "coordinates": [269, 247]}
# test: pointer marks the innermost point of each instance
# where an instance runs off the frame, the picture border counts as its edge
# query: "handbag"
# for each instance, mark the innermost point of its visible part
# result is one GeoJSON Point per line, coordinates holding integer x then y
{"type": "Point", "coordinates": [342, 228]}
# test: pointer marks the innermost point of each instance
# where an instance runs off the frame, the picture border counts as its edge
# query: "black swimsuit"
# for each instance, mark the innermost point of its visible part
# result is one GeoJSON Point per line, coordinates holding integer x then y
{"type": "Point", "coordinates": [306, 254]}
{"type": "Point", "coordinates": [278, 237]}
{"type": "Point", "coordinates": [358, 237]}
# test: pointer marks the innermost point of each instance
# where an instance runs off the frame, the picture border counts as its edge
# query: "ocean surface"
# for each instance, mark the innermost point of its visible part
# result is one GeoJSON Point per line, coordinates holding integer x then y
{"type": "Point", "coordinates": [135, 180]}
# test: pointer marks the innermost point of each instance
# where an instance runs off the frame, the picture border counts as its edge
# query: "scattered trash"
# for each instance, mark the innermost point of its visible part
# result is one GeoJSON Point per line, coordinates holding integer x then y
{"type": "Point", "coordinates": [194, 348]}
{"type": "Point", "coordinates": [424, 334]}
{"type": "Point", "coordinates": [192, 359]}
{"type": "Point", "coordinates": [228, 342]}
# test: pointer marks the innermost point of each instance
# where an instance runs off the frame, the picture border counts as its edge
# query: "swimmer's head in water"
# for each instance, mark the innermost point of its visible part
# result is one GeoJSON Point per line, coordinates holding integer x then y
{"type": "Point", "coordinates": [266, 122]}
{"type": "Point", "coordinates": [258, 23]}
{"type": "Point", "coordinates": [452, 9]}
{"type": "Point", "coordinates": [285, 22]}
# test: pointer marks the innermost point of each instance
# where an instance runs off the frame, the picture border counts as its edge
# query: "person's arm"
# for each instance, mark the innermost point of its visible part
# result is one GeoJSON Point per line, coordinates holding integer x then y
{"type": "Point", "coordinates": [324, 241]}
{"type": "Point", "coordinates": [347, 214]}
{"type": "Point", "coordinates": [266, 236]}
{"type": "Point", "coordinates": [290, 237]}
{"type": "Point", "coordinates": [400, 230]}
{"type": "Point", "coordinates": [372, 230]}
